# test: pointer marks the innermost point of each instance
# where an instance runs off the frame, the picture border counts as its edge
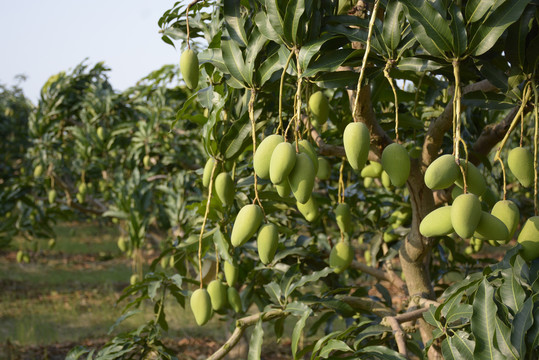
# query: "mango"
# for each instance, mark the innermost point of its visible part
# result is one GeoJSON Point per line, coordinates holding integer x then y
{"type": "Point", "coordinates": [52, 196]}
{"type": "Point", "coordinates": [477, 244]}
{"type": "Point", "coordinates": [207, 172]}
{"type": "Point", "coordinates": [234, 300]}
{"type": "Point", "coordinates": [101, 133]}
{"type": "Point", "coordinates": [201, 306]}
{"type": "Point", "coordinates": [218, 296]}
{"type": "Point", "coordinates": [134, 279]}
{"type": "Point", "coordinates": [456, 192]}
{"type": "Point", "coordinates": [319, 105]}
{"type": "Point", "coordinates": [396, 163]}
{"type": "Point", "coordinates": [367, 182]}
{"type": "Point", "coordinates": [20, 256]}
{"type": "Point", "coordinates": [373, 170]}
{"type": "Point", "coordinates": [389, 237]}
{"type": "Point", "coordinates": [301, 178]}
{"type": "Point", "coordinates": [309, 210]}
{"type": "Point", "coordinates": [465, 215]}
{"type": "Point", "coordinates": [146, 161]}
{"type": "Point", "coordinates": [224, 187]}
{"type": "Point", "coordinates": [442, 173]}
{"type": "Point", "coordinates": [247, 223]}
{"type": "Point", "coordinates": [437, 223]}
{"type": "Point", "coordinates": [267, 241]}
{"type": "Point", "coordinates": [529, 239]}
{"type": "Point", "coordinates": [324, 168]}
{"type": "Point", "coordinates": [122, 244]}
{"type": "Point", "coordinates": [489, 198]}
{"type": "Point", "coordinates": [38, 171]}
{"type": "Point", "coordinates": [386, 181]}
{"type": "Point", "coordinates": [283, 188]}
{"type": "Point", "coordinates": [231, 273]}
{"type": "Point", "coordinates": [305, 147]}
{"type": "Point", "coordinates": [490, 228]}
{"type": "Point", "coordinates": [520, 161]}
{"type": "Point", "coordinates": [508, 213]}
{"type": "Point", "coordinates": [83, 188]}
{"type": "Point", "coordinates": [189, 68]}
{"type": "Point", "coordinates": [356, 139]}
{"type": "Point", "coordinates": [262, 157]}
{"type": "Point", "coordinates": [341, 257]}
{"type": "Point", "coordinates": [475, 181]}
{"type": "Point", "coordinates": [282, 162]}
{"type": "Point", "coordinates": [344, 217]}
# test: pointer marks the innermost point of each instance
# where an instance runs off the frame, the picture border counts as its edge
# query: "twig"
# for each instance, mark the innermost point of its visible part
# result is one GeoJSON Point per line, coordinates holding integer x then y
{"type": "Point", "coordinates": [379, 274]}
{"type": "Point", "coordinates": [368, 305]}
{"type": "Point", "coordinates": [399, 334]}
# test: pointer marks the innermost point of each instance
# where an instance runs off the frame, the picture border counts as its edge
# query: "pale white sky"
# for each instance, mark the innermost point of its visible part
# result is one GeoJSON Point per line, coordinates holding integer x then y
{"type": "Point", "coordinates": [40, 38]}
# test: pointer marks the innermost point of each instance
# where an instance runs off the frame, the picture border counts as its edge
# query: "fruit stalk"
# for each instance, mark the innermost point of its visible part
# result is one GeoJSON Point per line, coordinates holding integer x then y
{"type": "Point", "coordinates": [281, 87]}
{"type": "Point", "coordinates": [535, 144]}
{"type": "Point", "coordinates": [387, 68]}
{"type": "Point", "coordinates": [253, 135]}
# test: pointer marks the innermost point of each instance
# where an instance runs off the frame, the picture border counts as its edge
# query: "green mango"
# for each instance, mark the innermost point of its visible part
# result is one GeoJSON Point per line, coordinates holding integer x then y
{"type": "Point", "coordinates": [520, 161]}
{"type": "Point", "coordinates": [206, 176]}
{"type": "Point", "coordinates": [234, 300]}
{"type": "Point", "coordinates": [282, 162]}
{"type": "Point", "coordinates": [283, 188]}
{"type": "Point", "coordinates": [38, 171]}
{"type": "Point", "coordinates": [20, 256]}
{"type": "Point", "coordinates": [218, 296]}
{"type": "Point", "coordinates": [389, 237]}
{"type": "Point", "coordinates": [309, 210]}
{"type": "Point", "coordinates": [231, 273]}
{"type": "Point", "coordinates": [134, 279]}
{"type": "Point", "coordinates": [475, 181]}
{"type": "Point", "coordinates": [456, 192]}
{"type": "Point", "coordinates": [490, 228]}
{"type": "Point", "coordinates": [489, 198]}
{"type": "Point", "coordinates": [262, 157]}
{"type": "Point", "coordinates": [247, 223]}
{"type": "Point", "coordinates": [122, 244]}
{"type": "Point", "coordinates": [224, 187]}
{"type": "Point", "coordinates": [442, 173]}
{"type": "Point", "coordinates": [356, 139]}
{"type": "Point", "coordinates": [267, 241]}
{"type": "Point", "coordinates": [319, 105]}
{"type": "Point", "coordinates": [305, 147]}
{"type": "Point", "coordinates": [146, 161]}
{"type": "Point", "coordinates": [344, 217]}
{"type": "Point", "coordinates": [301, 178]}
{"type": "Point", "coordinates": [477, 245]}
{"type": "Point", "coordinates": [529, 239]}
{"type": "Point", "coordinates": [341, 257]}
{"type": "Point", "coordinates": [508, 212]}
{"type": "Point", "coordinates": [437, 223]}
{"type": "Point", "coordinates": [367, 182]}
{"type": "Point", "coordinates": [386, 181]}
{"type": "Point", "coordinates": [52, 196]}
{"type": "Point", "coordinates": [201, 306]}
{"type": "Point", "coordinates": [465, 215]}
{"type": "Point", "coordinates": [165, 261]}
{"type": "Point", "coordinates": [189, 68]}
{"type": "Point", "coordinates": [101, 133]}
{"type": "Point", "coordinates": [396, 163]}
{"type": "Point", "coordinates": [324, 168]}
{"type": "Point", "coordinates": [373, 170]}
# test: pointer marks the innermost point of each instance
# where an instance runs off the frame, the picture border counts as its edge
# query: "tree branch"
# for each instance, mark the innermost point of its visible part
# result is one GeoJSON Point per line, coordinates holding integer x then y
{"type": "Point", "coordinates": [379, 274]}
{"type": "Point", "coordinates": [367, 305]}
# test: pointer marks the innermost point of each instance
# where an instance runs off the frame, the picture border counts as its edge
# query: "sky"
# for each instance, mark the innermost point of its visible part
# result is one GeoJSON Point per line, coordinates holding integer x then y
{"type": "Point", "coordinates": [41, 38]}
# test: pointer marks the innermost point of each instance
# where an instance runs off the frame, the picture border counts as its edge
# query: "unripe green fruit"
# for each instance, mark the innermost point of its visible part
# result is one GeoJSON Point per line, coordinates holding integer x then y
{"type": "Point", "coordinates": [396, 163]}
{"type": "Point", "coordinates": [231, 273]}
{"type": "Point", "coordinates": [234, 299]}
{"type": "Point", "coordinates": [437, 223]}
{"type": "Point", "coordinates": [201, 306]}
{"type": "Point", "coordinates": [122, 244]}
{"type": "Point", "coordinates": [456, 192]}
{"type": "Point", "coordinates": [529, 239]}
{"type": "Point", "coordinates": [319, 105]}
{"type": "Point", "coordinates": [389, 237]}
{"type": "Point", "coordinates": [282, 162]}
{"type": "Point", "coordinates": [469, 250]}
{"type": "Point", "coordinates": [267, 241]}
{"type": "Point", "coordinates": [373, 170]}
{"type": "Point", "coordinates": [344, 217]}
{"type": "Point", "coordinates": [262, 157]}
{"type": "Point", "coordinates": [341, 257]}
{"type": "Point", "coordinates": [368, 257]}
{"type": "Point", "coordinates": [465, 214]}
{"type": "Point", "coordinates": [52, 196]}
{"type": "Point", "coordinates": [146, 161]}
{"type": "Point", "coordinates": [367, 182]}
{"type": "Point", "coordinates": [490, 228]}
{"type": "Point", "coordinates": [247, 223]}
{"type": "Point", "coordinates": [324, 168]}
{"type": "Point", "coordinates": [172, 261]}
{"type": "Point", "coordinates": [218, 296]}
{"type": "Point", "coordinates": [489, 198]}
{"type": "Point", "coordinates": [386, 181]}
{"type": "Point", "coordinates": [475, 182]}
{"type": "Point", "coordinates": [101, 133]}
{"type": "Point", "coordinates": [309, 210]}
{"type": "Point", "coordinates": [520, 161]}
{"type": "Point", "coordinates": [508, 213]}
{"type": "Point", "coordinates": [283, 188]}
{"type": "Point", "coordinates": [441, 173]}
{"type": "Point", "coordinates": [80, 198]}
{"type": "Point", "coordinates": [415, 152]}
{"type": "Point", "coordinates": [20, 256]}
{"type": "Point", "coordinates": [134, 279]}
{"type": "Point", "coordinates": [224, 187]}
{"type": "Point", "coordinates": [189, 68]}
{"type": "Point", "coordinates": [82, 188]}
{"type": "Point", "coordinates": [164, 262]}
{"type": "Point", "coordinates": [38, 171]}
{"type": "Point", "coordinates": [51, 243]}
{"type": "Point", "coordinates": [356, 139]}
{"type": "Point", "coordinates": [301, 178]}
{"type": "Point", "coordinates": [477, 245]}
{"type": "Point", "coordinates": [206, 176]}
{"type": "Point", "coordinates": [305, 147]}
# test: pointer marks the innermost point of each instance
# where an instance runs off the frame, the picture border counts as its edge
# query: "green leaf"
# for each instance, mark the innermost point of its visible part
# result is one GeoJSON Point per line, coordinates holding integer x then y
{"type": "Point", "coordinates": [464, 345]}
{"type": "Point", "coordinates": [511, 292]}
{"type": "Point", "coordinates": [234, 22]}
{"type": "Point", "coordinates": [330, 61]}
{"type": "Point", "coordinates": [310, 49]}
{"type": "Point", "coordinates": [418, 64]}
{"type": "Point", "coordinates": [462, 311]}
{"type": "Point", "coordinates": [521, 323]}
{"type": "Point", "coordinates": [476, 9]}
{"type": "Point", "coordinates": [380, 352]}
{"type": "Point", "coordinates": [256, 43]}
{"type": "Point", "coordinates": [274, 16]}
{"type": "Point", "coordinates": [457, 348]}
{"type": "Point", "coordinates": [294, 11]}
{"type": "Point", "coordinates": [391, 32]}
{"type": "Point", "coordinates": [515, 44]}
{"type": "Point", "coordinates": [234, 62]}
{"type": "Point", "coordinates": [460, 40]}
{"type": "Point", "coordinates": [274, 291]}
{"type": "Point", "coordinates": [297, 332]}
{"type": "Point", "coordinates": [493, 27]}
{"type": "Point", "coordinates": [483, 322]}
{"type": "Point", "coordinates": [315, 276]}
{"type": "Point", "coordinates": [237, 137]}
{"type": "Point", "coordinates": [222, 246]}
{"type": "Point", "coordinates": [334, 345]}
{"type": "Point", "coordinates": [503, 338]}
{"type": "Point", "coordinates": [339, 79]}
{"type": "Point", "coordinates": [255, 345]}
{"type": "Point", "coordinates": [152, 289]}
{"type": "Point", "coordinates": [265, 28]}
{"type": "Point", "coordinates": [431, 29]}
{"type": "Point", "coordinates": [214, 57]}
{"type": "Point", "coordinates": [271, 65]}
